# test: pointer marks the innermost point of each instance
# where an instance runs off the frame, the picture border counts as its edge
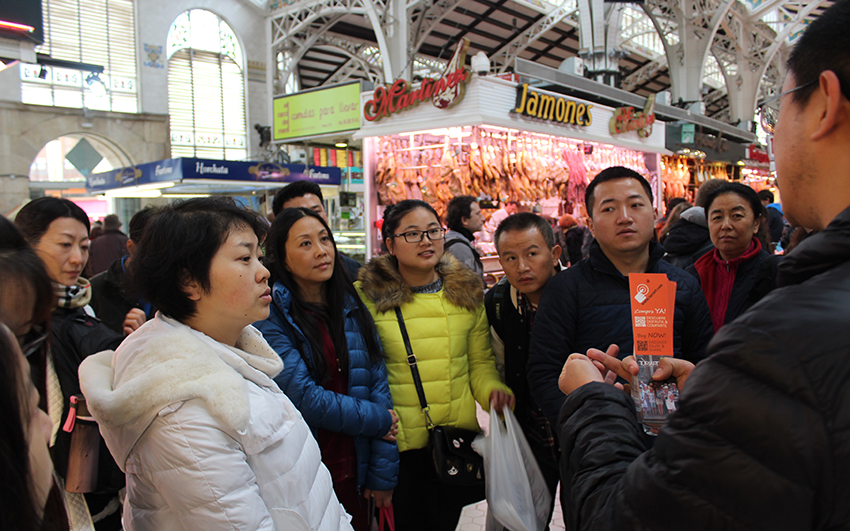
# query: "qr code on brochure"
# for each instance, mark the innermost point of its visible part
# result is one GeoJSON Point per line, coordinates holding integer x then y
{"type": "Point", "coordinates": [643, 345]}
{"type": "Point", "coordinates": [640, 321]}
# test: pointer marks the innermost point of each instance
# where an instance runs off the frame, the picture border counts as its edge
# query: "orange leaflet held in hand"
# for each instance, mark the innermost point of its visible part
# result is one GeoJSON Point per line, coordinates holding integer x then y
{"type": "Point", "coordinates": [653, 299]}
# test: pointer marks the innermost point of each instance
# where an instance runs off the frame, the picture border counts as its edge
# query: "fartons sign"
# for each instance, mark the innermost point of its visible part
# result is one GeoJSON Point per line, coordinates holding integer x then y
{"type": "Point", "coordinates": [625, 119]}
{"type": "Point", "coordinates": [444, 92]}
{"type": "Point", "coordinates": [551, 107]}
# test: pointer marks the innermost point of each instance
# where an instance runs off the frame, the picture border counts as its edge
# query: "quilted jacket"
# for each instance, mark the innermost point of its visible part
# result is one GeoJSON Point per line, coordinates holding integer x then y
{"type": "Point", "coordinates": [450, 337]}
{"type": "Point", "coordinates": [361, 414]}
{"type": "Point", "coordinates": [205, 436]}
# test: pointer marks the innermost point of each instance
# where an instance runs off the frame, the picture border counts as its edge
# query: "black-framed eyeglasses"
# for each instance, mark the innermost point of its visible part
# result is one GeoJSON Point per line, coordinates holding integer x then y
{"type": "Point", "coordinates": [415, 236]}
{"type": "Point", "coordinates": [31, 347]}
{"type": "Point", "coordinates": [769, 108]}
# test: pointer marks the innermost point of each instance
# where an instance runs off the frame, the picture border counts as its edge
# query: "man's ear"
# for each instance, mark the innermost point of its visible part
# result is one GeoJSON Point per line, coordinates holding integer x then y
{"type": "Point", "coordinates": [590, 226]}
{"type": "Point", "coordinates": [831, 115]}
{"type": "Point", "coordinates": [556, 254]}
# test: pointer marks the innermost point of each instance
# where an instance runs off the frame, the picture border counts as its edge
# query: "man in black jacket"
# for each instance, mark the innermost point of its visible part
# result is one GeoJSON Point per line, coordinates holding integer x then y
{"type": "Point", "coordinates": [529, 257]}
{"type": "Point", "coordinates": [588, 305]}
{"type": "Point", "coordinates": [761, 439]}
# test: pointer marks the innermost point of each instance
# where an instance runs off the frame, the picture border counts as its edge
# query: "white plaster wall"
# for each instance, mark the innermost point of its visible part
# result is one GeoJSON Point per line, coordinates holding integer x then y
{"type": "Point", "coordinates": [154, 17]}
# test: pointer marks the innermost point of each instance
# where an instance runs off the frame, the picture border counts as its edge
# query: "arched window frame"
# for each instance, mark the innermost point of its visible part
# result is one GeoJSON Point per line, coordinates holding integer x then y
{"type": "Point", "coordinates": [201, 45]}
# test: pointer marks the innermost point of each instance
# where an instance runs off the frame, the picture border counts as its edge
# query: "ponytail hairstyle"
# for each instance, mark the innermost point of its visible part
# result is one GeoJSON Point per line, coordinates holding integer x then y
{"type": "Point", "coordinates": [309, 316]}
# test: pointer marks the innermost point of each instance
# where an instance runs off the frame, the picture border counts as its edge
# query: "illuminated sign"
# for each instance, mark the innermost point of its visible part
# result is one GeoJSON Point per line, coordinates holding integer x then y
{"type": "Point", "coordinates": [551, 107]}
{"type": "Point", "coordinates": [625, 119]}
{"type": "Point", "coordinates": [317, 112]}
{"type": "Point", "coordinates": [444, 93]}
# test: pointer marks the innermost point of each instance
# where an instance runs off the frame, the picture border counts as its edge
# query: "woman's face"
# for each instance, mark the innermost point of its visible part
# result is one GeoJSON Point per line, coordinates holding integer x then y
{"type": "Point", "coordinates": [732, 224]}
{"type": "Point", "coordinates": [424, 255]}
{"type": "Point", "coordinates": [64, 249]}
{"type": "Point", "coordinates": [238, 292]}
{"type": "Point", "coordinates": [310, 255]}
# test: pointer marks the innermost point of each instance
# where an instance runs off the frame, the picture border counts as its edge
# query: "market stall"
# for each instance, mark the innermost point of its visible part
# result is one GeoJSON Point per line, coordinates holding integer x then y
{"type": "Point", "coordinates": [499, 141]}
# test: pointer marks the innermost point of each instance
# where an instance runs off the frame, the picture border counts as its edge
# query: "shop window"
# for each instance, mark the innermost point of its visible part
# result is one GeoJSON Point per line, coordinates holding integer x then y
{"type": "Point", "coordinates": [206, 88]}
{"type": "Point", "coordinates": [99, 32]}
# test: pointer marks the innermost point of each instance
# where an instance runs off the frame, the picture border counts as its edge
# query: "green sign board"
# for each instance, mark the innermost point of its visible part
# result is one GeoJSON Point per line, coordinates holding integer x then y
{"type": "Point", "coordinates": [688, 133]}
{"type": "Point", "coordinates": [317, 112]}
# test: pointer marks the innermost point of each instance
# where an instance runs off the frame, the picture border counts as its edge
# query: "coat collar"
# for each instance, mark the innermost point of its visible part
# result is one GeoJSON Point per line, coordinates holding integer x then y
{"type": "Point", "coordinates": [818, 253]}
{"type": "Point", "coordinates": [600, 261]}
{"type": "Point", "coordinates": [382, 283]}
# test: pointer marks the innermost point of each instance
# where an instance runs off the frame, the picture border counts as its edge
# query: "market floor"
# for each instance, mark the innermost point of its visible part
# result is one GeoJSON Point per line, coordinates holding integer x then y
{"type": "Point", "coordinates": [474, 517]}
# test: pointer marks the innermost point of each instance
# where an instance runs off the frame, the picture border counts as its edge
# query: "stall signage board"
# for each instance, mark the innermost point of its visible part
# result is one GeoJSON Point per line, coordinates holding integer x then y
{"type": "Point", "coordinates": [444, 92]}
{"type": "Point", "coordinates": [317, 112]}
{"type": "Point", "coordinates": [187, 169]}
{"type": "Point", "coordinates": [552, 108]}
{"type": "Point", "coordinates": [626, 119]}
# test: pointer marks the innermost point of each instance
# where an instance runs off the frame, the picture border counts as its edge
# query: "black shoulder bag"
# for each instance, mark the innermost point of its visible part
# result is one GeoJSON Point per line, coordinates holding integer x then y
{"type": "Point", "coordinates": [455, 461]}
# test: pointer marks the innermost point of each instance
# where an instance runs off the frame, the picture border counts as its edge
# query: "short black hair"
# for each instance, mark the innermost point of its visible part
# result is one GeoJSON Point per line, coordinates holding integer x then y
{"type": "Point", "coordinates": [458, 208]}
{"type": "Point", "coordinates": [394, 213]}
{"type": "Point", "coordinates": [21, 267]}
{"type": "Point", "coordinates": [705, 190]}
{"type": "Point", "coordinates": [766, 195]}
{"type": "Point", "coordinates": [525, 221]}
{"type": "Point", "coordinates": [673, 201]}
{"type": "Point", "coordinates": [293, 190]}
{"type": "Point", "coordinates": [825, 45]}
{"type": "Point", "coordinates": [36, 216]}
{"type": "Point", "coordinates": [178, 246]}
{"type": "Point", "coordinates": [744, 191]}
{"type": "Point", "coordinates": [612, 174]}
{"type": "Point", "coordinates": [140, 221]}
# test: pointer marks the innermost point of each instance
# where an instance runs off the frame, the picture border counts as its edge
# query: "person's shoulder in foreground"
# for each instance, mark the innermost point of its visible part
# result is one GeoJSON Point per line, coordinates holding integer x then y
{"type": "Point", "coordinates": [761, 437]}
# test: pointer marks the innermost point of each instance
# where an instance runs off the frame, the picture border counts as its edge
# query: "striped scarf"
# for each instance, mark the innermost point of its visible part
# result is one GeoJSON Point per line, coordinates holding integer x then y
{"type": "Point", "coordinates": [75, 296]}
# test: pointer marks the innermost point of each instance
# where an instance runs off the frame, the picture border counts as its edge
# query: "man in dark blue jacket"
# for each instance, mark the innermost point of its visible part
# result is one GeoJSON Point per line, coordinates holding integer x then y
{"type": "Point", "coordinates": [587, 306]}
{"type": "Point", "coordinates": [761, 437]}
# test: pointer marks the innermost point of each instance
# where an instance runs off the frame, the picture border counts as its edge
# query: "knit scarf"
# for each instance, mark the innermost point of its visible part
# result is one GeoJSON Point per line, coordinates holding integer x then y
{"type": "Point", "coordinates": [76, 296]}
{"type": "Point", "coordinates": [717, 277]}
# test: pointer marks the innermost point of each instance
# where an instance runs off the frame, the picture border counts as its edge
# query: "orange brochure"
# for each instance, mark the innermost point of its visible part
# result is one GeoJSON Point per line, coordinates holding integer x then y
{"type": "Point", "coordinates": [653, 299]}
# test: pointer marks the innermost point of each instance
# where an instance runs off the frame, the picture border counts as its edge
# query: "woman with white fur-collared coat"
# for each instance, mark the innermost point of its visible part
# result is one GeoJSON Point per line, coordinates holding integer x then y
{"type": "Point", "coordinates": [187, 404]}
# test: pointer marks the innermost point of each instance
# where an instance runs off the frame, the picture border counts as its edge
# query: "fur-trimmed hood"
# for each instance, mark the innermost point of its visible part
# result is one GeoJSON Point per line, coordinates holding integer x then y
{"type": "Point", "coordinates": [382, 283]}
{"type": "Point", "coordinates": [165, 363]}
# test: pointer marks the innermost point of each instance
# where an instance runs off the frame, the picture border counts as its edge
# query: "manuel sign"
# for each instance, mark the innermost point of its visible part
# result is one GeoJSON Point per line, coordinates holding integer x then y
{"type": "Point", "coordinates": [444, 92]}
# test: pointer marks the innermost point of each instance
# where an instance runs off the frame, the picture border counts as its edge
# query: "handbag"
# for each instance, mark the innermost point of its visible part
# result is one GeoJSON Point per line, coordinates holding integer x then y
{"type": "Point", "coordinates": [455, 462]}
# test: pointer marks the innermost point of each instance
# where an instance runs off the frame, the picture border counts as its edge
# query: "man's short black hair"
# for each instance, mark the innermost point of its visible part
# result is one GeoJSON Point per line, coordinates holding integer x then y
{"type": "Point", "coordinates": [825, 45]}
{"type": "Point", "coordinates": [611, 174]}
{"type": "Point", "coordinates": [178, 246]}
{"type": "Point", "coordinates": [458, 208]}
{"type": "Point", "coordinates": [294, 190]}
{"type": "Point", "coordinates": [525, 221]}
{"type": "Point", "coordinates": [766, 195]}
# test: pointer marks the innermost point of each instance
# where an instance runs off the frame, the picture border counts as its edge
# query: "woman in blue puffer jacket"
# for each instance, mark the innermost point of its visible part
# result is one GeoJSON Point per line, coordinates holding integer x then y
{"type": "Point", "coordinates": [333, 367]}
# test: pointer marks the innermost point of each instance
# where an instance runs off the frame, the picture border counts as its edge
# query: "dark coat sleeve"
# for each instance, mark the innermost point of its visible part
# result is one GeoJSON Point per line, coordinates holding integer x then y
{"type": "Point", "coordinates": [697, 328]}
{"type": "Point", "coordinates": [747, 449]}
{"type": "Point", "coordinates": [552, 341]}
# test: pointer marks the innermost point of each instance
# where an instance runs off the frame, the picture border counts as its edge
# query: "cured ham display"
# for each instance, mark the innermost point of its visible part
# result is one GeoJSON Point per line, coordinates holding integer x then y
{"type": "Point", "coordinates": [490, 164]}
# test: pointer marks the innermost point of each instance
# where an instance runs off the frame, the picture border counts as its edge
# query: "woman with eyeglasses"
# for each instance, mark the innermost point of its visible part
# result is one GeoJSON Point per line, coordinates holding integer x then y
{"type": "Point", "coordinates": [58, 230]}
{"type": "Point", "coordinates": [333, 364]}
{"type": "Point", "coordinates": [442, 306]}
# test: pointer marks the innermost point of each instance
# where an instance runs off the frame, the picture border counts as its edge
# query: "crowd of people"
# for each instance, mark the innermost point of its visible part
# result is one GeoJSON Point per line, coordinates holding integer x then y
{"type": "Point", "coordinates": [247, 376]}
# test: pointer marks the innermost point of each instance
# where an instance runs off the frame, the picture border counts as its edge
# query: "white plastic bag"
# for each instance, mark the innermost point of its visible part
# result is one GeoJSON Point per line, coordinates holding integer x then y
{"type": "Point", "coordinates": [517, 495]}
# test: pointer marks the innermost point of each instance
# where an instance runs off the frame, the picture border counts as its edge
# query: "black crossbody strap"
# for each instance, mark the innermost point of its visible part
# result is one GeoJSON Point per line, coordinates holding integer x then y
{"type": "Point", "coordinates": [411, 361]}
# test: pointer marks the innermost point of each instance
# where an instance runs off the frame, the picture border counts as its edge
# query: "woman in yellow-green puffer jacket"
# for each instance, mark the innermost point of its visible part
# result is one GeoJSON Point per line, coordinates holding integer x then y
{"type": "Point", "coordinates": [441, 301]}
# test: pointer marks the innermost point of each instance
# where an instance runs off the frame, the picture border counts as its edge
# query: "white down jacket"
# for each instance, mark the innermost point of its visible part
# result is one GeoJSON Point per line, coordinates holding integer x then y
{"type": "Point", "coordinates": [207, 439]}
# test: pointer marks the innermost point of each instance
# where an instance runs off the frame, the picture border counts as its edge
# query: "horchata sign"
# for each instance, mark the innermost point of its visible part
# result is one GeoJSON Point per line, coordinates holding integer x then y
{"type": "Point", "coordinates": [443, 92]}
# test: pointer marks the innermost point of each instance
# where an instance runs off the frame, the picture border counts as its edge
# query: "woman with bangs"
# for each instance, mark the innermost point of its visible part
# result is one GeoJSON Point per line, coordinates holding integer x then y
{"type": "Point", "coordinates": [188, 405]}
{"type": "Point", "coordinates": [333, 365]}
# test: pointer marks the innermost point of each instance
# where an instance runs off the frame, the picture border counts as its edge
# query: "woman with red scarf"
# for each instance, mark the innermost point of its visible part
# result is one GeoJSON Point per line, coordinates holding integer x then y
{"type": "Point", "coordinates": [739, 271]}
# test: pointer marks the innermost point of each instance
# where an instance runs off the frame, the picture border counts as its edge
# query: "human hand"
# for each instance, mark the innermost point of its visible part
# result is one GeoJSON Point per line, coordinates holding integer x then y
{"type": "Point", "coordinates": [675, 368]}
{"type": "Point", "coordinates": [500, 399]}
{"type": "Point", "coordinates": [627, 368]}
{"type": "Point", "coordinates": [391, 435]}
{"type": "Point", "coordinates": [383, 498]}
{"type": "Point", "coordinates": [578, 370]}
{"type": "Point", "coordinates": [133, 320]}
